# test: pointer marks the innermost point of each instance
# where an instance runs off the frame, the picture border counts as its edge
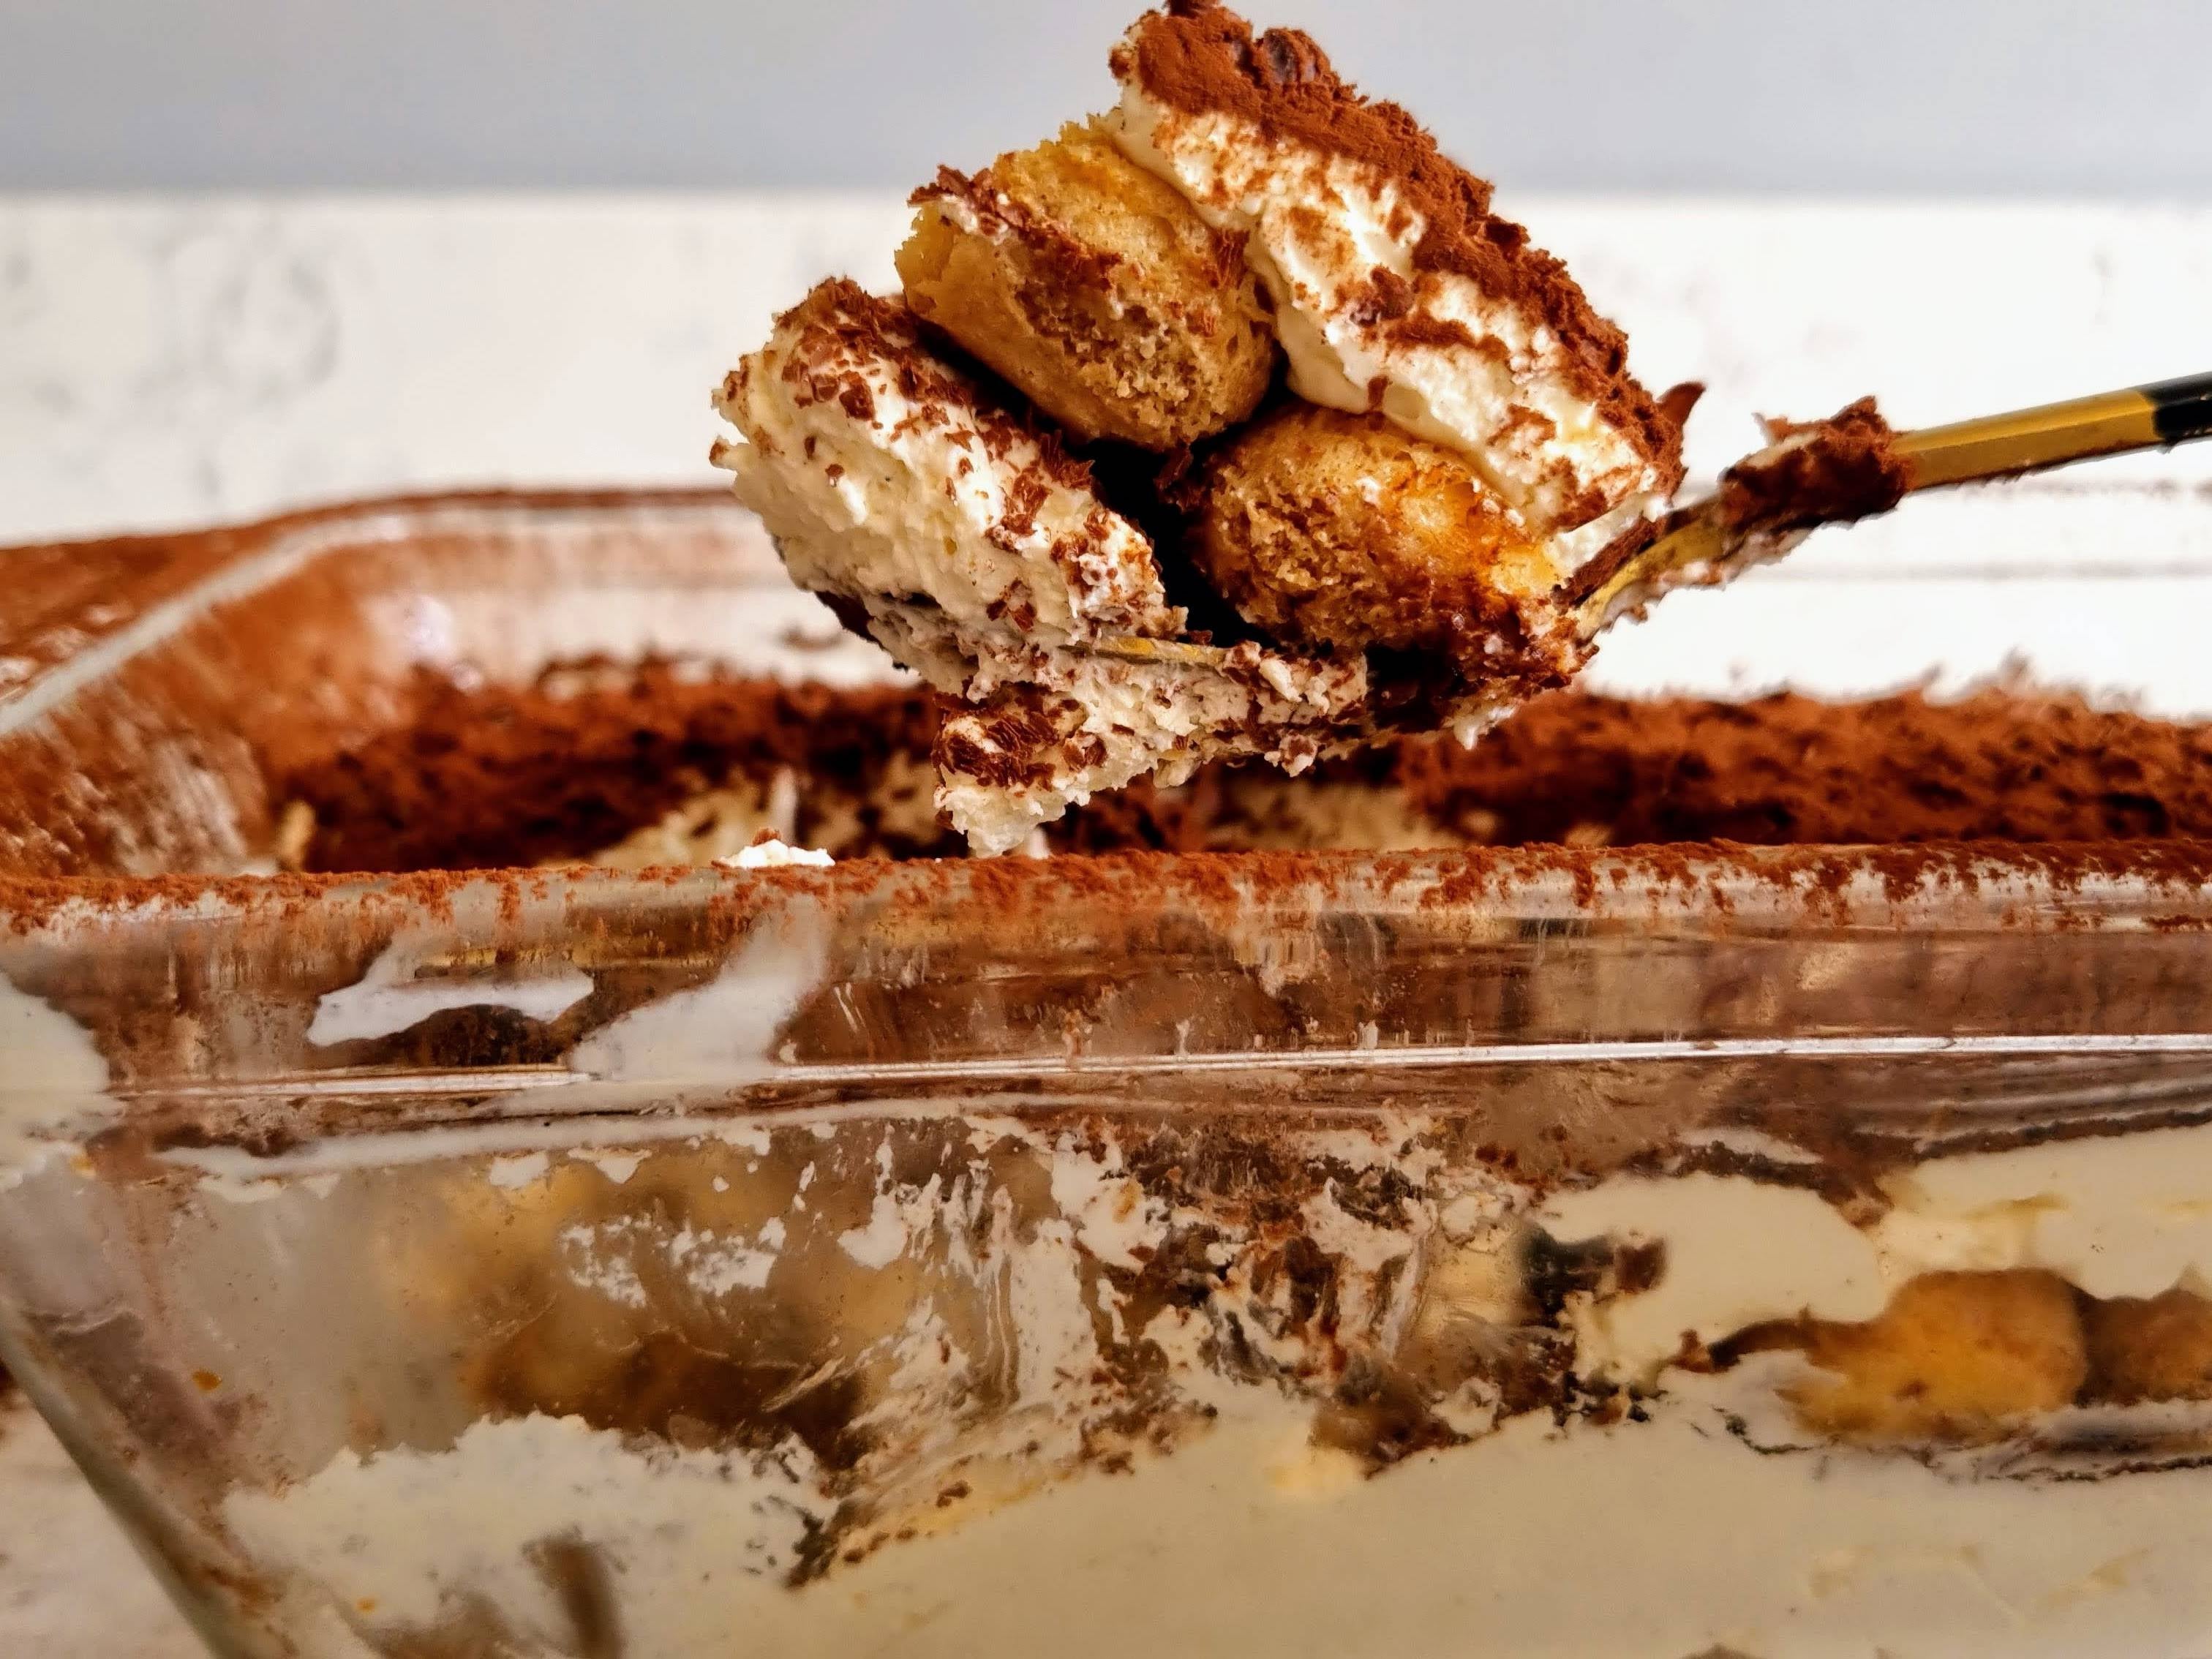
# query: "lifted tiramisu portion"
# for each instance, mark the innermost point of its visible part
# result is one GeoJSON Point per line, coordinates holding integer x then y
{"type": "Point", "coordinates": [1398, 540]}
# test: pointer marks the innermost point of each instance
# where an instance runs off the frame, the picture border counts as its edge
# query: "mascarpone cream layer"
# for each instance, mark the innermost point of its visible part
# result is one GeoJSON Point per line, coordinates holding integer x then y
{"type": "Point", "coordinates": [884, 475]}
{"type": "Point", "coordinates": [1481, 375]}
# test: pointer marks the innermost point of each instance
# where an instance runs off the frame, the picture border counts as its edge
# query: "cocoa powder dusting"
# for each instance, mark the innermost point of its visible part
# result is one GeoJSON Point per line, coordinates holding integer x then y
{"type": "Point", "coordinates": [485, 778]}
{"type": "Point", "coordinates": [1790, 771]}
{"type": "Point", "coordinates": [840, 324]}
{"type": "Point", "coordinates": [1830, 471]}
{"type": "Point", "coordinates": [492, 777]}
{"type": "Point", "coordinates": [1198, 57]}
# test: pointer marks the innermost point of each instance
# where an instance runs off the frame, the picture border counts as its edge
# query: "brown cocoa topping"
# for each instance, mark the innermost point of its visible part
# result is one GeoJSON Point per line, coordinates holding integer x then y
{"type": "Point", "coordinates": [1787, 769]}
{"type": "Point", "coordinates": [480, 779]}
{"type": "Point", "coordinates": [840, 323]}
{"type": "Point", "coordinates": [1831, 471]}
{"type": "Point", "coordinates": [489, 777]}
{"type": "Point", "coordinates": [1198, 57]}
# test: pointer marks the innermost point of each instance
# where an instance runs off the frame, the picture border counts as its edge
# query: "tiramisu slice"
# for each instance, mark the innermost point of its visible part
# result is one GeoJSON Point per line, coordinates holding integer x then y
{"type": "Point", "coordinates": [960, 534]}
{"type": "Point", "coordinates": [1379, 444]}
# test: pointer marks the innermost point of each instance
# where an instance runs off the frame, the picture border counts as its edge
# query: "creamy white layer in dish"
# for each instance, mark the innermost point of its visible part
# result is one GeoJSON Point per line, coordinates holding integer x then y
{"type": "Point", "coordinates": [1330, 1388]}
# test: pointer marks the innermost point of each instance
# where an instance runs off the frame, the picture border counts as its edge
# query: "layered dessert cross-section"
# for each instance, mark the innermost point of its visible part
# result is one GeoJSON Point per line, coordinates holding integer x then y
{"type": "Point", "coordinates": [959, 533]}
{"type": "Point", "coordinates": [1588, 1341]}
{"type": "Point", "coordinates": [1230, 423]}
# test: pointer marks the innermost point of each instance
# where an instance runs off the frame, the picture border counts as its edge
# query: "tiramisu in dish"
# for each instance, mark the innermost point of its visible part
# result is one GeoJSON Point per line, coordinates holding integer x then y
{"type": "Point", "coordinates": [1677, 1179]}
{"type": "Point", "coordinates": [659, 767]}
{"type": "Point", "coordinates": [1232, 423]}
{"type": "Point", "coordinates": [1659, 1355]}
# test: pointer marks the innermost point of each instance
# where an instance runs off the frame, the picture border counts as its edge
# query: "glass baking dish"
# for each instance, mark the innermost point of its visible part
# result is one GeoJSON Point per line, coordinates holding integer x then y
{"type": "Point", "coordinates": [1662, 1251]}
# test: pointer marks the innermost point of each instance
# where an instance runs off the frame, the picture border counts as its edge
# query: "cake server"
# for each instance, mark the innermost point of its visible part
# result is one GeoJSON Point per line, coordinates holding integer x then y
{"type": "Point", "coordinates": [1698, 547]}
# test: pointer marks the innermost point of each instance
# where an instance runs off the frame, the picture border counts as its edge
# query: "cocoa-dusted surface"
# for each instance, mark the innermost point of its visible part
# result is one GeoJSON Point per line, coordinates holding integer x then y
{"type": "Point", "coordinates": [1830, 471]}
{"type": "Point", "coordinates": [481, 778]}
{"type": "Point", "coordinates": [840, 322]}
{"type": "Point", "coordinates": [95, 787]}
{"type": "Point", "coordinates": [1790, 771]}
{"type": "Point", "coordinates": [493, 777]}
{"type": "Point", "coordinates": [1197, 56]}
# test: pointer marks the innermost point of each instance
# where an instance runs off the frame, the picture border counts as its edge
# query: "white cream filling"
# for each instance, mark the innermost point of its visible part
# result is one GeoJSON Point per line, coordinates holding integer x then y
{"type": "Point", "coordinates": [1161, 717]}
{"type": "Point", "coordinates": [903, 501]}
{"type": "Point", "coordinates": [711, 826]}
{"type": "Point", "coordinates": [724, 1027]}
{"type": "Point", "coordinates": [396, 995]}
{"type": "Point", "coordinates": [777, 855]}
{"type": "Point", "coordinates": [2113, 1215]}
{"type": "Point", "coordinates": [1317, 228]}
{"type": "Point", "coordinates": [1664, 1540]}
{"type": "Point", "coordinates": [2116, 1215]}
{"type": "Point", "coordinates": [56, 1087]}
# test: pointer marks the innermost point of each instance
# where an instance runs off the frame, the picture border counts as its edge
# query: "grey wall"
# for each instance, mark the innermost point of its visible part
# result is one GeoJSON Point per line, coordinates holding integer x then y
{"type": "Point", "coordinates": [2046, 97]}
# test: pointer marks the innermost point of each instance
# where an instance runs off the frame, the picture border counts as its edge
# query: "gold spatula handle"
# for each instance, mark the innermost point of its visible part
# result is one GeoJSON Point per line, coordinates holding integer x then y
{"type": "Point", "coordinates": [2029, 439]}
